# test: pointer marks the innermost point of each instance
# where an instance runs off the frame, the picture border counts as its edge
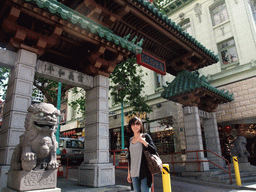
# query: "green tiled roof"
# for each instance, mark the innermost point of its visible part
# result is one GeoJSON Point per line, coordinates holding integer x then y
{"type": "Point", "coordinates": [186, 81]}
{"type": "Point", "coordinates": [76, 18]}
{"type": "Point", "coordinates": [164, 17]}
{"type": "Point", "coordinates": [170, 6]}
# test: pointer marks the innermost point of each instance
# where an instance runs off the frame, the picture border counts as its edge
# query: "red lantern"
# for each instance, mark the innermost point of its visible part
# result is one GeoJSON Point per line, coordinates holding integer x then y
{"type": "Point", "coordinates": [64, 134]}
{"type": "Point", "coordinates": [74, 132]}
{"type": "Point", "coordinates": [228, 129]}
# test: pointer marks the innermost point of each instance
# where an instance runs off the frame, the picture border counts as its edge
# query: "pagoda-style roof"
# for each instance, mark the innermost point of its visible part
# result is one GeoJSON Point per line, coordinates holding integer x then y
{"type": "Point", "coordinates": [84, 22]}
{"type": "Point", "coordinates": [191, 90]}
{"type": "Point", "coordinates": [60, 35]}
{"type": "Point", "coordinates": [92, 36]}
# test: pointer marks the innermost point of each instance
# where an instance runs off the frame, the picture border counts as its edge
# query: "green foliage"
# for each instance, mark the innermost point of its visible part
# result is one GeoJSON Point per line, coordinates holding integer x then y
{"type": "Point", "coordinates": [79, 103]}
{"type": "Point", "coordinates": [127, 86]}
{"type": "Point", "coordinates": [49, 89]}
{"type": "Point", "coordinates": [4, 75]}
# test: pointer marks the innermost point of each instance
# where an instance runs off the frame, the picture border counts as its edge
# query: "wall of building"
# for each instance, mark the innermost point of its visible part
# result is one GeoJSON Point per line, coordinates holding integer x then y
{"type": "Point", "coordinates": [243, 109]}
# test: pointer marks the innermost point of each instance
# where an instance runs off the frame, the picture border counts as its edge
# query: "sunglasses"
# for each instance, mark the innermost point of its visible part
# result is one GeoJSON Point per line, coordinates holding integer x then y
{"type": "Point", "coordinates": [137, 123]}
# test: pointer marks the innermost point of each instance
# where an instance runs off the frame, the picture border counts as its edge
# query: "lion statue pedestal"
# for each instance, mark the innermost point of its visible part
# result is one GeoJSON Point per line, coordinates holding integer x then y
{"type": "Point", "coordinates": [33, 180]}
{"type": "Point", "coordinates": [34, 164]}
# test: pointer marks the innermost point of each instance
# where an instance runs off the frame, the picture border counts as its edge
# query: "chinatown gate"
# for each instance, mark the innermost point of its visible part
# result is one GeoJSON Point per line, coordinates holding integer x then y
{"type": "Point", "coordinates": [80, 43]}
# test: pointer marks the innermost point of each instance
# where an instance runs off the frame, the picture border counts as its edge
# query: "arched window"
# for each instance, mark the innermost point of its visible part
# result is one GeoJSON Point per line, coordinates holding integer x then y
{"type": "Point", "coordinates": [219, 13]}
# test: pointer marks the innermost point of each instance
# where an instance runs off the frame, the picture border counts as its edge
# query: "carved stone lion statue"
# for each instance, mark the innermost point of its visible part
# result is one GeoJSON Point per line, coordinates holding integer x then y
{"type": "Point", "coordinates": [240, 150]}
{"type": "Point", "coordinates": [38, 145]}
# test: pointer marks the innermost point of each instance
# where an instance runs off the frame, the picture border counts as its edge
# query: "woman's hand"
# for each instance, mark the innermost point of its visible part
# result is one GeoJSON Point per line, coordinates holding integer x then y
{"type": "Point", "coordinates": [129, 178]}
{"type": "Point", "coordinates": [143, 141]}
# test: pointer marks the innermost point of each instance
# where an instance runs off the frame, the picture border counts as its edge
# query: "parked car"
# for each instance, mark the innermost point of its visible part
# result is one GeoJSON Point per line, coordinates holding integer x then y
{"type": "Point", "coordinates": [72, 148]}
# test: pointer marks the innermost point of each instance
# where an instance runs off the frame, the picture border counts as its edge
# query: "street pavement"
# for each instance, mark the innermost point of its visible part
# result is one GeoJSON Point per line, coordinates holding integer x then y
{"type": "Point", "coordinates": [178, 184]}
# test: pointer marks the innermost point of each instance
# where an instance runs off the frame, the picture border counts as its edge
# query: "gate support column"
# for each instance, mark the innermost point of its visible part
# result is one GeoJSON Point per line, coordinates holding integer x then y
{"type": "Point", "coordinates": [194, 138]}
{"type": "Point", "coordinates": [212, 139]}
{"type": "Point", "coordinates": [96, 171]}
{"type": "Point", "coordinates": [18, 99]}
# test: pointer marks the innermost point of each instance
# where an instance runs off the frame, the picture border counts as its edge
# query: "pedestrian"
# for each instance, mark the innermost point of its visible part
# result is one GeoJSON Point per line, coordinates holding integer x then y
{"type": "Point", "coordinates": [138, 172]}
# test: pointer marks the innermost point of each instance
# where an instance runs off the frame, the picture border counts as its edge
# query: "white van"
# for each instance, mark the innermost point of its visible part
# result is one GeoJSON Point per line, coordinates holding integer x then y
{"type": "Point", "coordinates": [70, 146]}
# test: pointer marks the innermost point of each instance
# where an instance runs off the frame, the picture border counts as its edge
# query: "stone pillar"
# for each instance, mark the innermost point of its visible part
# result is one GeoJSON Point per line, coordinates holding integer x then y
{"type": "Point", "coordinates": [96, 171]}
{"type": "Point", "coordinates": [212, 140]}
{"type": "Point", "coordinates": [18, 99]}
{"type": "Point", "coordinates": [193, 138]}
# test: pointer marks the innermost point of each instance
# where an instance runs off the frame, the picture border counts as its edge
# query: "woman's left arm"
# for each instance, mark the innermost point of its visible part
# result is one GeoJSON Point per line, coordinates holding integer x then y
{"type": "Point", "coordinates": [150, 144]}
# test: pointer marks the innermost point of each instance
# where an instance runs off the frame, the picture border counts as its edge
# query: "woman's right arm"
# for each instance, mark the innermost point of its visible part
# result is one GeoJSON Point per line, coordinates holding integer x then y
{"type": "Point", "coordinates": [129, 175]}
{"type": "Point", "coordinates": [129, 159]}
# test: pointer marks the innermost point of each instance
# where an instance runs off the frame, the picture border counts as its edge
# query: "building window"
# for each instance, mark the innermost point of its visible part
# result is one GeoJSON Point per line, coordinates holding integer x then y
{"type": "Point", "coordinates": [228, 53]}
{"type": "Point", "coordinates": [253, 8]}
{"type": "Point", "coordinates": [219, 13]}
{"type": "Point", "coordinates": [186, 26]}
{"type": "Point", "coordinates": [159, 80]}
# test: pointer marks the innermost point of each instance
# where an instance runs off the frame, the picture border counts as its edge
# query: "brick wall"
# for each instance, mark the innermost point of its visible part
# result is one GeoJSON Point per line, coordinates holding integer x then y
{"type": "Point", "coordinates": [244, 104]}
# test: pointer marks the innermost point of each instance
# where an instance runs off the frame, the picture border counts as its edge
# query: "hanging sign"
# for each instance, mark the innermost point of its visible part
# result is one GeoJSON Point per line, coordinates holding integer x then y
{"type": "Point", "coordinates": [153, 63]}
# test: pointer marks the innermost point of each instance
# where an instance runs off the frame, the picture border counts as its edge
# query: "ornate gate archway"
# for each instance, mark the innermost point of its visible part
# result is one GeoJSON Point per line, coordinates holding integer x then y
{"type": "Point", "coordinates": [90, 37]}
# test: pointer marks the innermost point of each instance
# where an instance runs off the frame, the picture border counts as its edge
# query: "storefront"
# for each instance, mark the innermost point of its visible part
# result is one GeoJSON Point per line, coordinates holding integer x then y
{"type": "Point", "coordinates": [228, 133]}
{"type": "Point", "coordinates": [164, 141]}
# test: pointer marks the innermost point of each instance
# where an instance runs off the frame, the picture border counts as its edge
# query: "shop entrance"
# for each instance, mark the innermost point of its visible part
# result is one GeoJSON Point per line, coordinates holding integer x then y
{"type": "Point", "coordinates": [162, 134]}
{"type": "Point", "coordinates": [228, 133]}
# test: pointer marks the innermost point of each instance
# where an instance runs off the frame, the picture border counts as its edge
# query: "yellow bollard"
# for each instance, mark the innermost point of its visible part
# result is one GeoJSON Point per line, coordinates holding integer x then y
{"type": "Point", "coordinates": [166, 178]}
{"type": "Point", "coordinates": [237, 172]}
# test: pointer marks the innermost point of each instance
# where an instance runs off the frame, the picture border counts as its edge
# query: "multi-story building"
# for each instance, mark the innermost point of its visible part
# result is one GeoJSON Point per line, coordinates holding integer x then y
{"type": "Point", "coordinates": [228, 28]}
{"type": "Point", "coordinates": [72, 122]}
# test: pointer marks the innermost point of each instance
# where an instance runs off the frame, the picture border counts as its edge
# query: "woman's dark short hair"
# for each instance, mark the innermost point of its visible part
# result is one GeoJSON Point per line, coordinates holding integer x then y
{"type": "Point", "coordinates": [132, 121]}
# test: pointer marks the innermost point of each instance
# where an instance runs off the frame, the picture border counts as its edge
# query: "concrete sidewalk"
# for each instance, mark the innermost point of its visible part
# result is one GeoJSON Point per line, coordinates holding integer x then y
{"type": "Point", "coordinates": [69, 185]}
{"type": "Point", "coordinates": [73, 186]}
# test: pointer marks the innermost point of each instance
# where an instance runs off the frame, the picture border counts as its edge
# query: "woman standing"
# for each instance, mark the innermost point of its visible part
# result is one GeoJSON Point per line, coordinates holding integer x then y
{"type": "Point", "coordinates": [138, 172]}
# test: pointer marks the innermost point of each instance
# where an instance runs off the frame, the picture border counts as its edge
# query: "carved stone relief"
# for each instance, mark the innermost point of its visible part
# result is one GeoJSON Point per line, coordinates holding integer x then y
{"type": "Point", "coordinates": [198, 11]}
